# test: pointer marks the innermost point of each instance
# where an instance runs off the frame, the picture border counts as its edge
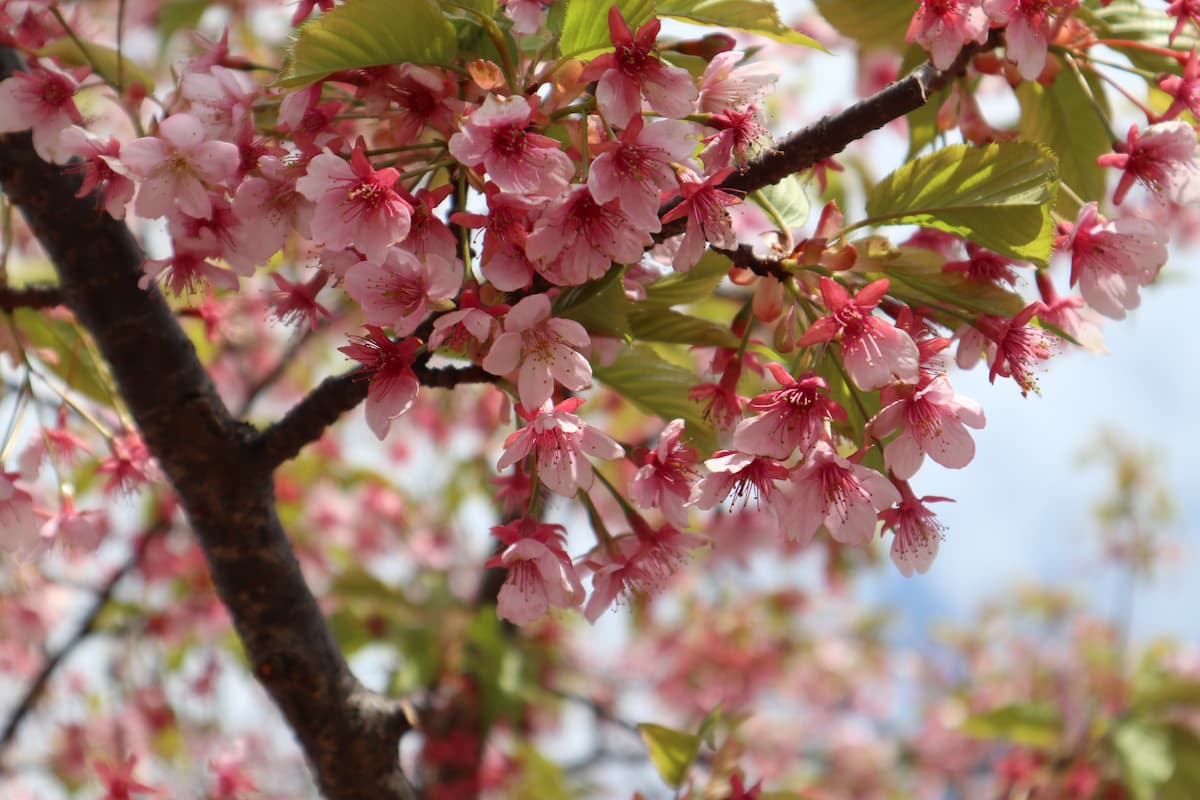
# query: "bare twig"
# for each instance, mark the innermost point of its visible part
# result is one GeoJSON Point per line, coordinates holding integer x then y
{"type": "Point", "coordinates": [30, 297]}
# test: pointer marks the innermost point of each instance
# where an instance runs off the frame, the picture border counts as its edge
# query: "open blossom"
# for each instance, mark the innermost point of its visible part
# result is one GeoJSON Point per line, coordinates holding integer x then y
{"type": "Point", "coordinates": [545, 349]}
{"type": "Point", "coordinates": [664, 481]}
{"type": "Point", "coordinates": [932, 419]}
{"type": "Point", "coordinates": [269, 206]}
{"type": "Point", "coordinates": [726, 85]}
{"type": "Point", "coordinates": [1163, 159]}
{"type": "Point", "coordinates": [42, 101]}
{"type": "Point", "coordinates": [789, 419]}
{"type": "Point", "coordinates": [636, 563]}
{"type": "Point", "coordinates": [829, 490]}
{"type": "Point", "coordinates": [1026, 31]}
{"type": "Point", "coordinates": [636, 169]}
{"type": "Point", "coordinates": [917, 532]}
{"type": "Point", "coordinates": [18, 526]}
{"type": "Point", "coordinates": [400, 291]}
{"type": "Point", "coordinates": [174, 166]}
{"type": "Point", "coordinates": [1184, 89]}
{"type": "Point", "coordinates": [356, 204]}
{"type": "Point", "coordinates": [559, 441]}
{"type": "Point", "coordinates": [517, 161]}
{"type": "Point", "coordinates": [631, 71]}
{"type": "Point", "coordinates": [1018, 347]}
{"type": "Point", "coordinates": [576, 239]}
{"type": "Point", "coordinates": [394, 385]}
{"type": "Point", "coordinates": [743, 475]}
{"type": "Point", "coordinates": [540, 573]}
{"type": "Point", "coordinates": [506, 227]}
{"type": "Point", "coordinates": [99, 161]}
{"type": "Point", "coordinates": [739, 138]}
{"type": "Point", "coordinates": [943, 26]}
{"type": "Point", "coordinates": [707, 220]}
{"type": "Point", "coordinates": [1111, 259]}
{"type": "Point", "coordinates": [875, 353]}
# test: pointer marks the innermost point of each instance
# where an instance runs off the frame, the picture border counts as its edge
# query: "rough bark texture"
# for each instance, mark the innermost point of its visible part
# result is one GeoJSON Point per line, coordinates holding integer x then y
{"type": "Point", "coordinates": [350, 735]}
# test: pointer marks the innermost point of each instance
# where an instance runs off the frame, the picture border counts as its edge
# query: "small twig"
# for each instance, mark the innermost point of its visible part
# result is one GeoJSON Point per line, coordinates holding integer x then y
{"type": "Point", "coordinates": [743, 256]}
{"type": "Point", "coordinates": [104, 594]}
{"type": "Point", "coordinates": [31, 297]}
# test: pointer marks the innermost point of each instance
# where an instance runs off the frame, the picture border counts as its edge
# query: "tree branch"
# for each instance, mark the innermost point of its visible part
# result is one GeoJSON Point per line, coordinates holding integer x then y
{"type": "Point", "coordinates": [30, 297]}
{"type": "Point", "coordinates": [349, 734]}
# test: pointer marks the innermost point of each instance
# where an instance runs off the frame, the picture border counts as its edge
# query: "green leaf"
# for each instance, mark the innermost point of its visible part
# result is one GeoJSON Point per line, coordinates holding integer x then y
{"type": "Point", "coordinates": [69, 356]}
{"type": "Point", "coordinates": [368, 33]}
{"type": "Point", "coordinates": [752, 16]}
{"type": "Point", "coordinates": [672, 752]}
{"type": "Point", "coordinates": [1144, 752]}
{"type": "Point", "coordinates": [917, 278]}
{"type": "Point", "coordinates": [1129, 20]}
{"type": "Point", "coordinates": [1030, 724]}
{"type": "Point", "coordinates": [600, 306]}
{"type": "Point", "coordinates": [692, 286]}
{"type": "Point", "coordinates": [538, 776]}
{"type": "Point", "coordinates": [787, 200]}
{"type": "Point", "coordinates": [658, 387]}
{"type": "Point", "coordinates": [871, 23]}
{"type": "Point", "coordinates": [585, 26]}
{"type": "Point", "coordinates": [997, 196]}
{"type": "Point", "coordinates": [1062, 117]}
{"type": "Point", "coordinates": [1184, 783]}
{"type": "Point", "coordinates": [104, 61]}
{"type": "Point", "coordinates": [1165, 692]}
{"type": "Point", "coordinates": [658, 324]}
{"type": "Point", "coordinates": [175, 15]}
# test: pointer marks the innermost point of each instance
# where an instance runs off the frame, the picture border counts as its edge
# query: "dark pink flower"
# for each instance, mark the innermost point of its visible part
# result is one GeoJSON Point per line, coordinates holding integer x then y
{"type": "Point", "coordinates": [636, 169]}
{"type": "Point", "coordinates": [43, 101]}
{"type": "Point", "coordinates": [1163, 159]}
{"type": "Point", "coordinates": [577, 239]}
{"type": "Point", "coordinates": [540, 573]}
{"type": "Point", "coordinates": [393, 384]}
{"type": "Point", "coordinates": [559, 440]}
{"type": "Point", "coordinates": [545, 349]}
{"type": "Point", "coordinates": [789, 419]}
{"type": "Point", "coordinates": [664, 481]}
{"type": "Point", "coordinates": [943, 26]}
{"type": "Point", "coordinates": [174, 166]}
{"type": "Point", "coordinates": [932, 419]}
{"type": "Point", "coordinates": [1184, 89]}
{"type": "Point", "coordinates": [1110, 260]}
{"type": "Point", "coordinates": [828, 490]}
{"type": "Point", "coordinates": [495, 136]}
{"type": "Point", "coordinates": [707, 220]}
{"type": "Point", "coordinates": [917, 532]}
{"type": "Point", "coordinates": [743, 475]}
{"type": "Point", "coordinates": [1018, 347]}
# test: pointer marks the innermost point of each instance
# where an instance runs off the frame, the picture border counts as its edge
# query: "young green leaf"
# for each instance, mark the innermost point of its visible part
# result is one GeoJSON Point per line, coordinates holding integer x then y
{"type": "Point", "coordinates": [658, 387]}
{"type": "Point", "coordinates": [585, 27]}
{"type": "Point", "coordinates": [997, 196]}
{"type": "Point", "coordinates": [871, 23]}
{"type": "Point", "coordinates": [752, 16]}
{"type": "Point", "coordinates": [786, 200]}
{"type": "Point", "coordinates": [672, 752]}
{"type": "Point", "coordinates": [657, 324]}
{"type": "Point", "coordinates": [368, 33]}
{"type": "Point", "coordinates": [692, 286]}
{"type": "Point", "coordinates": [1030, 724]}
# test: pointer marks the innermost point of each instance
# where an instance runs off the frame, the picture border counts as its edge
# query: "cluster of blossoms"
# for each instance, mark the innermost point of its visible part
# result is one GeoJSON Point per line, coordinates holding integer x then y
{"type": "Point", "coordinates": [558, 183]}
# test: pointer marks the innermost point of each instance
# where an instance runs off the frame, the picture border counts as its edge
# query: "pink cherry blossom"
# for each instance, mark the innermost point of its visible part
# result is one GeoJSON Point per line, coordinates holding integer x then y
{"type": "Point", "coordinates": [631, 71]}
{"type": "Point", "coordinates": [393, 384]}
{"type": "Point", "coordinates": [544, 348]}
{"type": "Point", "coordinates": [1026, 30]}
{"type": "Point", "coordinates": [637, 563]}
{"type": "Point", "coordinates": [743, 475]}
{"type": "Point", "coordinates": [470, 320]}
{"type": "Point", "coordinates": [507, 223]}
{"type": "Point", "coordinates": [220, 98]}
{"type": "Point", "coordinates": [932, 419]}
{"type": "Point", "coordinates": [174, 166]}
{"type": "Point", "coordinates": [517, 161]}
{"type": "Point", "coordinates": [789, 419]}
{"type": "Point", "coordinates": [18, 527]}
{"type": "Point", "coordinates": [707, 220]}
{"type": "Point", "coordinates": [576, 239]}
{"type": "Point", "coordinates": [1163, 159]}
{"type": "Point", "coordinates": [297, 302]}
{"type": "Point", "coordinates": [187, 271]}
{"type": "Point", "coordinates": [636, 169]}
{"type": "Point", "coordinates": [983, 266]}
{"type": "Point", "coordinates": [269, 206]}
{"type": "Point", "coordinates": [1110, 260]}
{"type": "Point", "coordinates": [875, 353]}
{"type": "Point", "coordinates": [43, 101]}
{"type": "Point", "coordinates": [739, 139]}
{"type": "Point", "coordinates": [118, 780]}
{"type": "Point", "coordinates": [129, 465]}
{"type": "Point", "coordinates": [917, 532]}
{"type": "Point", "coordinates": [1184, 89]}
{"type": "Point", "coordinates": [427, 234]}
{"type": "Point", "coordinates": [540, 573]}
{"type": "Point", "coordinates": [356, 204]}
{"type": "Point", "coordinates": [99, 162]}
{"type": "Point", "coordinates": [400, 291]}
{"type": "Point", "coordinates": [828, 490]}
{"type": "Point", "coordinates": [943, 26]}
{"type": "Point", "coordinates": [726, 85]}
{"type": "Point", "coordinates": [527, 15]}
{"type": "Point", "coordinates": [664, 481]}
{"type": "Point", "coordinates": [559, 441]}
{"type": "Point", "coordinates": [1018, 347]}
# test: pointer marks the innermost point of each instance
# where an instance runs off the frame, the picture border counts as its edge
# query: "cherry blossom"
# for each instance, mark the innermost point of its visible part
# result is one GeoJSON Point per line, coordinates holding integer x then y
{"type": "Point", "coordinates": [99, 161]}
{"type": "Point", "coordinates": [545, 350]}
{"type": "Point", "coordinates": [494, 136]}
{"type": "Point", "coordinates": [297, 302]}
{"type": "Point", "coordinates": [630, 72]}
{"type": "Point", "coordinates": [1184, 88]}
{"type": "Point", "coordinates": [828, 490]}
{"type": "Point", "coordinates": [119, 783]}
{"type": "Point", "coordinates": [1163, 159]}
{"type": "Point", "coordinates": [559, 442]}
{"type": "Point", "coordinates": [917, 532]}
{"type": "Point", "coordinates": [707, 220]}
{"type": "Point", "coordinates": [507, 223]}
{"type": "Point", "coordinates": [42, 101]}
{"type": "Point", "coordinates": [729, 85]}
{"type": "Point", "coordinates": [527, 15]}
{"type": "Point", "coordinates": [18, 527]}
{"type": "Point", "coordinates": [400, 291]}
{"type": "Point", "coordinates": [1018, 347]}
{"type": "Point", "coordinates": [270, 206]}
{"type": "Point", "coordinates": [743, 475]}
{"type": "Point", "coordinates": [1111, 259]}
{"type": "Point", "coordinates": [875, 353]}
{"type": "Point", "coordinates": [1026, 30]}
{"type": "Point", "coordinates": [540, 573]}
{"type": "Point", "coordinates": [576, 239]}
{"type": "Point", "coordinates": [789, 419]}
{"type": "Point", "coordinates": [636, 169]}
{"type": "Point", "coordinates": [664, 481]}
{"type": "Point", "coordinates": [943, 26]}
{"type": "Point", "coordinates": [932, 419]}
{"type": "Point", "coordinates": [637, 563]}
{"type": "Point", "coordinates": [356, 205]}
{"type": "Point", "coordinates": [174, 166]}
{"type": "Point", "coordinates": [393, 384]}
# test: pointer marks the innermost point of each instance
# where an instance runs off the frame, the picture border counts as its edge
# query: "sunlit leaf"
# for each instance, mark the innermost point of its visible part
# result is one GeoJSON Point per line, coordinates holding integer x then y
{"type": "Point", "coordinates": [997, 196]}
{"type": "Point", "coordinates": [788, 199]}
{"type": "Point", "coordinates": [599, 306]}
{"type": "Point", "coordinates": [689, 287]}
{"type": "Point", "coordinates": [118, 70]}
{"type": "Point", "coordinates": [368, 33]}
{"type": "Point", "coordinates": [672, 752]}
{"type": "Point", "coordinates": [585, 27]}
{"type": "Point", "coordinates": [1144, 751]}
{"type": "Point", "coordinates": [871, 23]}
{"type": "Point", "coordinates": [657, 324]}
{"type": "Point", "coordinates": [1030, 724]}
{"type": "Point", "coordinates": [752, 16]}
{"type": "Point", "coordinates": [67, 354]}
{"type": "Point", "coordinates": [657, 387]}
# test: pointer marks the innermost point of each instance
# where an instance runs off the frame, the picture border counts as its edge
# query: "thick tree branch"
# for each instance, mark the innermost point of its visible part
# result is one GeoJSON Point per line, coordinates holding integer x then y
{"type": "Point", "coordinates": [30, 297]}
{"type": "Point", "coordinates": [350, 735]}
